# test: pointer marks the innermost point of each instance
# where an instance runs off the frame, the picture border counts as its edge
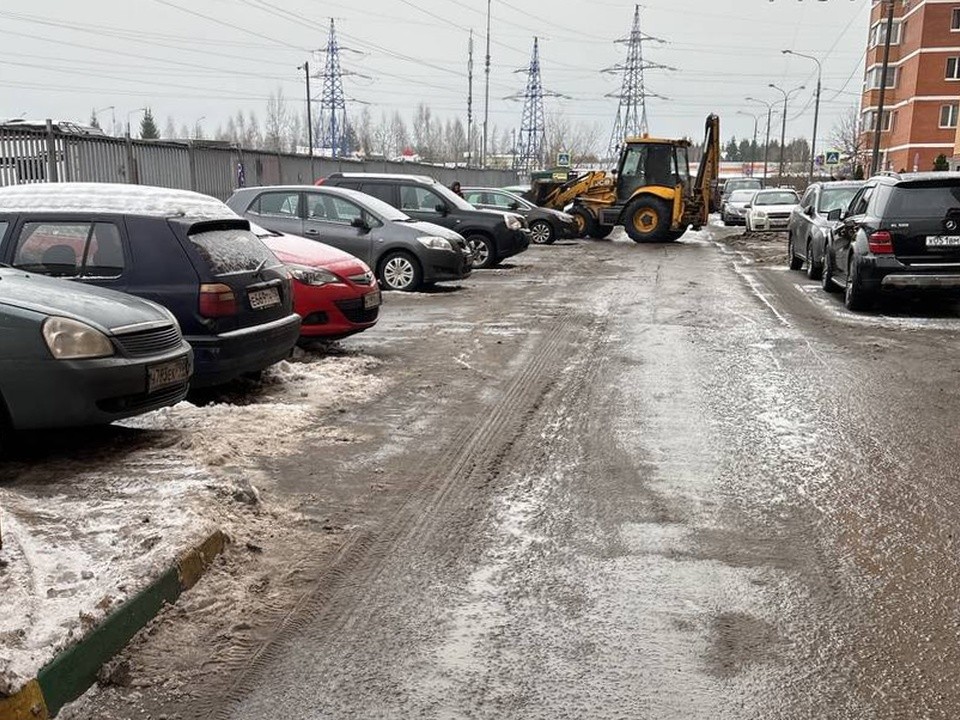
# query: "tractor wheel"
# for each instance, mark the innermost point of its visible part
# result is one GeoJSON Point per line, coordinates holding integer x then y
{"type": "Point", "coordinates": [647, 219]}
{"type": "Point", "coordinates": [586, 222]}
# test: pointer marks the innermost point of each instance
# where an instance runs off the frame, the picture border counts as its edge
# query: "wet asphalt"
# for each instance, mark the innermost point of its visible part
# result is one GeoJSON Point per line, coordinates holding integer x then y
{"type": "Point", "coordinates": [688, 487]}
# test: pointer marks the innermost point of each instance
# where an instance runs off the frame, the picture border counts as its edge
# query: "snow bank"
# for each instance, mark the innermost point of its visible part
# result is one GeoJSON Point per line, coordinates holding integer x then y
{"type": "Point", "coordinates": [111, 198]}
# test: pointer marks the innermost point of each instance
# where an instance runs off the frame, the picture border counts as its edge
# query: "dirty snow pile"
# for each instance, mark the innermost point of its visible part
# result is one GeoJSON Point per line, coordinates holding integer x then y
{"type": "Point", "coordinates": [83, 534]}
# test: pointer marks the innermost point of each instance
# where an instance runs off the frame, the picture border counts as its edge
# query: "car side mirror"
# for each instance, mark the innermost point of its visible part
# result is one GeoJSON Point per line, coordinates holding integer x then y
{"type": "Point", "coordinates": [514, 205]}
{"type": "Point", "coordinates": [811, 211]}
{"type": "Point", "coordinates": [360, 224]}
{"type": "Point", "coordinates": [835, 215]}
{"type": "Point", "coordinates": [441, 208]}
{"type": "Point", "coordinates": [747, 206]}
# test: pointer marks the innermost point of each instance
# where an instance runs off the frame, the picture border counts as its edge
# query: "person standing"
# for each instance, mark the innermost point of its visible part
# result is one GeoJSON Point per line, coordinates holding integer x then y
{"type": "Point", "coordinates": [456, 188]}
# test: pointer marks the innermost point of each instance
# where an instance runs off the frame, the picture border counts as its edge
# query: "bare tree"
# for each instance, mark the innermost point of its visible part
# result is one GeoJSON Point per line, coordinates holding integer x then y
{"type": "Point", "coordinates": [848, 139]}
{"type": "Point", "coordinates": [169, 130]}
{"type": "Point", "coordinates": [380, 136]}
{"type": "Point", "coordinates": [455, 141]}
{"type": "Point", "coordinates": [399, 139]}
{"type": "Point", "coordinates": [364, 128]}
{"type": "Point", "coordinates": [252, 137]}
{"type": "Point", "coordinates": [276, 125]}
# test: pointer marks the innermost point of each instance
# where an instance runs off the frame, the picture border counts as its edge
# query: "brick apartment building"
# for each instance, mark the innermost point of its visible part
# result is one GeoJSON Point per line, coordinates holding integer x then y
{"type": "Point", "coordinates": [923, 84]}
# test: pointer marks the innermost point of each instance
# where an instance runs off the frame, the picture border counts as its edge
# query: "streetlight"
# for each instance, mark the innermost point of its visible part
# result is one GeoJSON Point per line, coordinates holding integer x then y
{"type": "Point", "coordinates": [816, 108]}
{"type": "Point", "coordinates": [196, 127]}
{"type": "Point", "coordinates": [753, 148]}
{"type": "Point", "coordinates": [143, 109]}
{"type": "Point", "coordinates": [766, 146]}
{"type": "Point", "coordinates": [113, 116]}
{"type": "Point", "coordinates": [306, 74]}
{"type": "Point", "coordinates": [783, 129]}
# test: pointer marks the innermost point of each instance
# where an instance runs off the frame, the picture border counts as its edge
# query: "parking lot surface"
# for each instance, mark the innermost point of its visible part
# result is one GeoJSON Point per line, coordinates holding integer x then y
{"type": "Point", "coordinates": [607, 480]}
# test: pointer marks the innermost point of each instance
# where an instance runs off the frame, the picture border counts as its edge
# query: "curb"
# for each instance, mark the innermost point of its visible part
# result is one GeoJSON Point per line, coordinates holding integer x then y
{"type": "Point", "coordinates": [74, 671]}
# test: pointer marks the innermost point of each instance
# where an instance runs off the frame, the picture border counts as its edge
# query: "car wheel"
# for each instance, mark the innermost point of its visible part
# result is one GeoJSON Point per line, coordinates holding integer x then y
{"type": "Point", "coordinates": [826, 277]}
{"type": "Point", "coordinates": [795, 262]}
{"type": "Point", "coordinates": [484, 252]}
{"type": "Point", "coordinates": [542, 233]}
{"type": "Point", "coordinates": [400, 271]}
{"type": "Point", "coordinates": [855, 297]}
{"type": "Point", "coordinates": [814, 267]}
{"type": "Point", "coordinates": [647, 219]}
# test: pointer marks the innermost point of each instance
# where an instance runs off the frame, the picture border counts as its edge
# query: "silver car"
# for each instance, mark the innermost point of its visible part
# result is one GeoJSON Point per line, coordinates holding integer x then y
{"type": "Point", "coordinates": [733, 211]}
{"type": "Point", "coordinates": [405, 253]}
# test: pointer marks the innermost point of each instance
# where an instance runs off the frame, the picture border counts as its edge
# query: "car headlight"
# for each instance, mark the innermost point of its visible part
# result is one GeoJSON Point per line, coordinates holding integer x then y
{"type": "Point", "coordinates": [435, 243]}
{"type": "Point", "coordinates": [316, 277]}
{"type": "Point", "coordinates": [759, 214]}
{"type": "Point", "coordinates": [513, 222]}
{"type": "Point", "coordinates": [73, 340]}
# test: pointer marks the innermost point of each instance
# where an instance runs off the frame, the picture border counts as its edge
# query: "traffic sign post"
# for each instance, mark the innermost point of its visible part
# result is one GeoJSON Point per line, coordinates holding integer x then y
{"type": "Point", "coordinates": [563, 159]}
{"type": "Point", "coordinates": [832, 158]}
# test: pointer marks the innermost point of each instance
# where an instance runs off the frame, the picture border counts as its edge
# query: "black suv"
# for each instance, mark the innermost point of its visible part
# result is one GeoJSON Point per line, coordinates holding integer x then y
{"type": "Point", "coordinates": [899, 232]}
{"type": "Point", "coordinates": [493, 236]}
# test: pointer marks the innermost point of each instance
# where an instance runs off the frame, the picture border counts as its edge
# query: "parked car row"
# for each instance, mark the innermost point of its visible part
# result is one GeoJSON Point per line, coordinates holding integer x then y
{"type": "Point", "coordinates": [119, 299]}
{"type": "Point", "coordinates": [892, 232]}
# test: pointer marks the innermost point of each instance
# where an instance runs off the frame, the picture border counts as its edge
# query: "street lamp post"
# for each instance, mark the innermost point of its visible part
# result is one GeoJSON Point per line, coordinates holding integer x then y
{"type": "Point", "coordinates": [196, 127]}
{"type": "Point", "coordinates": [783, 129]}
{"type": "Point", "coordinates": [306, 73]}
{"type": "Point", "coordinates": [816, 108]}
{"type": "Point", "coordinates": [143, 109]}
{"type": "Point", "coordinates": [878, 123]}
{"type": "Point", "coordinates": [97, 111]}
{"type": "Point", "coordinates": [753, 147]}
{"type": "Point", "coordinates": [766, 145]}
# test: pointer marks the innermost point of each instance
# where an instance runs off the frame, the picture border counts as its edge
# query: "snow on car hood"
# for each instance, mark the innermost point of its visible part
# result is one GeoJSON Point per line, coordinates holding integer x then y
{"type": "Point", "coordinates": [112, 199]}
{"type": "Point", "coordinates": [105, 309]}
{"type": "Point", "coordinates": [423, 228]}
{"type": "Point", "coordinates": [296, 250]}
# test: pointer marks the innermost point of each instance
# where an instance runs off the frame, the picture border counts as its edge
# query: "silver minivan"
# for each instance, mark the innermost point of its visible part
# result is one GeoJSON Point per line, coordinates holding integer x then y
{"type": "Point", "coordinates": [406, 254]}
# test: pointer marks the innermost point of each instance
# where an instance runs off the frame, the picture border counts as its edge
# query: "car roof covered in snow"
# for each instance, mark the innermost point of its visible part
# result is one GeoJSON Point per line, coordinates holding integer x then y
{"type": "Point", "coordinates": [112, 199]}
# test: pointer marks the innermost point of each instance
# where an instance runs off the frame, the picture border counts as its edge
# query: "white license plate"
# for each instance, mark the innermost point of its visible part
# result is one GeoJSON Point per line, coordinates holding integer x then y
{"type": "Point", "coordinates": [266, 298]}
{"type": "Point", "coordinates": [943, 240]}
{"type": "Point", "coordinates": [371, 300]}
{"type": "Point", "coordinates": [167, 374]}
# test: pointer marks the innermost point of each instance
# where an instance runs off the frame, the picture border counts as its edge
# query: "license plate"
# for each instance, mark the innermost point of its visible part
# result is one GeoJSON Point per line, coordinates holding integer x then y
{"type": "Point", "coordinates": [943, 240]}
{"type": "Point", "coordinates": [167, 374]}
{"type": "Point", "coordinates": [266, 298]}
{"type": "Point", "coordinates": [371, 300]}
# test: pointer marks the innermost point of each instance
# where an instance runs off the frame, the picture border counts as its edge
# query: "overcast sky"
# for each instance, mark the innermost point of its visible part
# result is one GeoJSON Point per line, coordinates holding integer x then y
{"type": "Point", "coordinates": [62, 58]}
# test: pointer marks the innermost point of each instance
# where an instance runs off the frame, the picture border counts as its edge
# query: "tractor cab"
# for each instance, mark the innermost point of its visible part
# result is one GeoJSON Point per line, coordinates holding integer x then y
{"type": "Point", "coordinates": [647, 162]}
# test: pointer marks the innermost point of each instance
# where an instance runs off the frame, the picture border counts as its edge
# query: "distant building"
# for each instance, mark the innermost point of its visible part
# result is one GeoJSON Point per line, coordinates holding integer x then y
{"type": "Point", "coordinates": [923, 83]}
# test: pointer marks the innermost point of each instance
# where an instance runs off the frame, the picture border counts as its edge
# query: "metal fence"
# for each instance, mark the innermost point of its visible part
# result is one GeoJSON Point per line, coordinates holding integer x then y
{"type": "Point", "coordinates": [32, 155]}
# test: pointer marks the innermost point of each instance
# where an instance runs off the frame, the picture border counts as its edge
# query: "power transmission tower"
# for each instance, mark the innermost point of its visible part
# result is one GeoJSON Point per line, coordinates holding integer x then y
{"type": "Point", "coordinates": [333, 104]}
{"type": "Point", "coordinates": [470, 101]}
{"type": "Point", "coordinates": [532, 144]}
{"type": "Point", "coordinates": [632, 113]}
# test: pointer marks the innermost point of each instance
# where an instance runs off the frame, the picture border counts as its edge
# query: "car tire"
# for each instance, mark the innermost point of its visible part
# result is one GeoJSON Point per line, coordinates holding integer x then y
{"type": "Point", "coordinates": [814, 268]}
{"type": "Point", "coordinates": [399, 271]}
{"type": "Point", "coordinates": [675, 235]}
{"type": "Point", "coordinates": [793, 261]}
{"type": "Point", "coordinates": [586, 223]}
{"type": "Point", "coordinates": [854, 296]}
{"type": "Point", "coordinates": [647, 219]}
{"type": "Point", "coordinates": [484, 251]}
{"type": "Point", "coordinates": [542, 233]}
{"type": "Point", "coordinates": [826, 277]}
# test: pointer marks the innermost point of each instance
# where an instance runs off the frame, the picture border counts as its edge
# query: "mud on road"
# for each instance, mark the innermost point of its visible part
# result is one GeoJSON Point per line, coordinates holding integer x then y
{"type": "Point", "coordinates": [605, 481]}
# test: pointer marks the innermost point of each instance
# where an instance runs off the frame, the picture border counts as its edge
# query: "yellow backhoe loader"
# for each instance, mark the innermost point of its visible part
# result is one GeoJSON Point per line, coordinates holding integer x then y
{"type": "Point", "coordinates": [652, 194]}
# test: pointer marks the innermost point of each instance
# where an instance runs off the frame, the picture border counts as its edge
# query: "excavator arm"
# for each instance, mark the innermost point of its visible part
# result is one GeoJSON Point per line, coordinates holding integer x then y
{"type": "Point", "coordinates": [704, 188]}
{"type": "Point", "coordinates": [558, 196]}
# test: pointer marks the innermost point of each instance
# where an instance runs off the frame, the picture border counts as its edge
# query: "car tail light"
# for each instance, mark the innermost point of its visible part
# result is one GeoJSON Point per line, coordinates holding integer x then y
{"type": "Point", "coordinates": [880, 243]}
{"type": "Point", "coordinates": [217, 300]}
{"type": "Point", "coordinates": [321, 181]}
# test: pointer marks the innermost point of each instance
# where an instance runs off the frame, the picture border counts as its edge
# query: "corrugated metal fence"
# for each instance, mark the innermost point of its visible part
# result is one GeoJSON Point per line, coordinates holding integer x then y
{"type": "Point", "coordinates": [29, 155]}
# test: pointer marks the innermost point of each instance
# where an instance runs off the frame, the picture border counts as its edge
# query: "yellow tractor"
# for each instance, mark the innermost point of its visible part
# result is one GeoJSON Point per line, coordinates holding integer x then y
{"type": "Point", "coordinates": [652, 194]}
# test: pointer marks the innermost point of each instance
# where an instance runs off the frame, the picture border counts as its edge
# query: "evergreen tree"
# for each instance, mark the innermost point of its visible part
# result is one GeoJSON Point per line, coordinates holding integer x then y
{"type": "Point", "coordinates": [93, 120]}
{"type": "Point", "coordinates": [733, 150]}
{"type": "Point", "coordinates": [148, 128]}
{"type": "Point", "coordinates": [941, 164]}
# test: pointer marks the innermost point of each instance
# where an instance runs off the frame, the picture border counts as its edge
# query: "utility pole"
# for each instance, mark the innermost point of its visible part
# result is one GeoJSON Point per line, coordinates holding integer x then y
{"type": "Point", "coordinates": [766, 145]}
{"type": "Point", "coordinates": [533, 124]}
{"type": "Point", "coordinates": [783, 129]}
{"type": "Point", "coordinates": [878, 123]}
{"type": "Point", "coordinates": [486, 99]}
{"type": "Point", "coordinates": [816, 109]}
{"type": "Point", "coordinates": [470, 101]}
{"type": "Point", "coordinates": [753, 147]}
{"type": "Point", "coordinates": [306, 73]}
{"type": "Point", "coordinates": [632, 111]}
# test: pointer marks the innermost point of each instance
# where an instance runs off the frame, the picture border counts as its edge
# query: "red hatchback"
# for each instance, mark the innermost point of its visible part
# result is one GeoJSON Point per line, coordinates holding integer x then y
{"type": "Point", "coordinates": [335, 293]}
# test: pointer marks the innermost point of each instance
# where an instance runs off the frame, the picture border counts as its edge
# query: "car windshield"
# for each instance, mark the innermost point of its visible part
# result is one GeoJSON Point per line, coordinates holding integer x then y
{"type": "Point", "coordinates": [742, 196]}
{"type": "Point", "coordinates": [385, 212]}
{"type": "Point", "coordinates": [785, 197]}
{"type": "Point", "coordinates": [924, 200]}
{"type": "Point", "coordinates": [836, 198]}
{"type": "Point", "coordinates": [526, 204]}
{"type": "Point", "coordinates": [734, 185]}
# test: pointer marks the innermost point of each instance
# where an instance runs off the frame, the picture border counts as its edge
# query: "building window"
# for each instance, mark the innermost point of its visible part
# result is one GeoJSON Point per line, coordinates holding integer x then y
{"type": "Point", "coordinates": [875, 75]}
{"type": "Point", "coordinates": [870, 120]}
{"type": "Point", "coordinates": [948, 116]}
{"type": "Point", "coordinates": [953, 68]}
{"type": "Point", "coordinates": [878, 33]}
{"type": "Point", "coordinates": [955, 20]}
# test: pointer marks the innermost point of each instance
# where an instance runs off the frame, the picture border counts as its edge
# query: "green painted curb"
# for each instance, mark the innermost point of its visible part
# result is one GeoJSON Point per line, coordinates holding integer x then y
{"type": "Point", "coordinates": [74, 671]}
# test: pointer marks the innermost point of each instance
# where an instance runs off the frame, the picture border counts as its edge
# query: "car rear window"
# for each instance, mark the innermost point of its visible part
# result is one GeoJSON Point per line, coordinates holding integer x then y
{"type": "Point", "coordinates": [923, 200]}
{"type": "Point", "coordinates": [232, 251]}
{"type": "Point", "coordinates": [777, 198]}
{"type": "Point", "coordinates": [733, 185]}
